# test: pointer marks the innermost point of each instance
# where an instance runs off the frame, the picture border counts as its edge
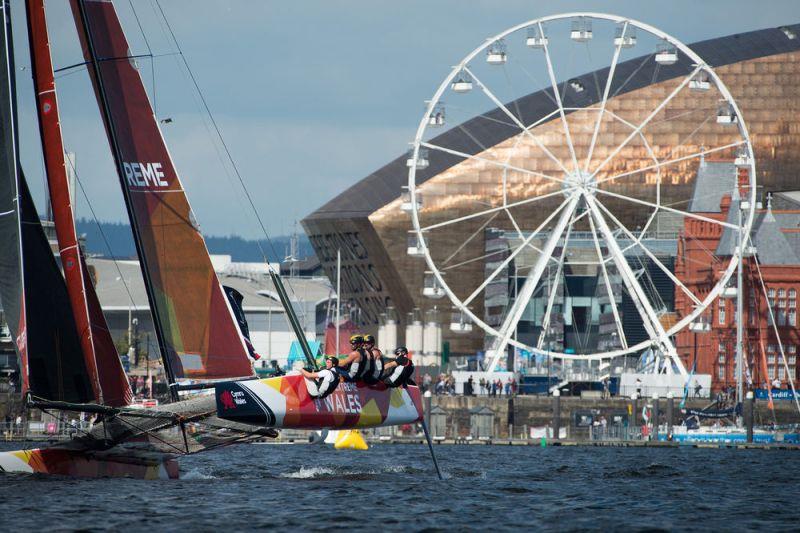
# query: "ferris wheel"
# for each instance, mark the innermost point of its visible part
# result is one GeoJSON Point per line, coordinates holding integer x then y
{"type": "Point", "coordinates": [587, 185]}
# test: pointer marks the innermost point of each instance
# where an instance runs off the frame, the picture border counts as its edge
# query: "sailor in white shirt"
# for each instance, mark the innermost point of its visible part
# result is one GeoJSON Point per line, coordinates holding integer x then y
{"type": "Point", "coordinates": [322, 382]}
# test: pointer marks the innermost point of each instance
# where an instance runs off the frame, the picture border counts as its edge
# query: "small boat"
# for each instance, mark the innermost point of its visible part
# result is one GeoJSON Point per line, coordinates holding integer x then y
{"type": "Point", "coordinates": [284, 402]}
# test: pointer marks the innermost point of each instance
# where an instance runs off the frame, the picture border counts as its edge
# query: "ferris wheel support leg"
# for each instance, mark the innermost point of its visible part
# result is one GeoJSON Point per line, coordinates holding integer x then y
{"type": "Point", "coordinates": [650, 319]}
{"type": "Point", "coordinates": [524, 296]}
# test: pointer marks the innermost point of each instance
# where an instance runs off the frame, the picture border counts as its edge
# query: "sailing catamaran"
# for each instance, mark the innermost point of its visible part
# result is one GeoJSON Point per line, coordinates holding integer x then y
{"type": "Point", "coordinates": [67, 358]}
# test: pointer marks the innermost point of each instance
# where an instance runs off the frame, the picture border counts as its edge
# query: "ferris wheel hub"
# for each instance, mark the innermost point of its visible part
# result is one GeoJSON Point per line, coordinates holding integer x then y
{"type": "Point", "coordinates": [585, 182]}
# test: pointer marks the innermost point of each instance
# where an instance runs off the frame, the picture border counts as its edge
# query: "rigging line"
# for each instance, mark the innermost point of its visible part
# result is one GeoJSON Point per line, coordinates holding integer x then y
{"type": "Point", "coordinates": [102, 233]}
{"type": "Point", "coordinates": [150, 51]}
{"type": "Point", "coordinates": [77, 67]}
{"type": "Point", "coordinates": [150, 434]}
{"type": "Point", "coordinates": [219, 135]}
{"type": "Point", "coordinates": [229, 156]}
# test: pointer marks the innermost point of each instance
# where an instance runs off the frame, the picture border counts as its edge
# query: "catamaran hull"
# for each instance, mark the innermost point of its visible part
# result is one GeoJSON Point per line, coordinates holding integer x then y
{"type": "Point", "coordinates": [284, 402]}
{"type": "Point", "coordinates": [62, 462]}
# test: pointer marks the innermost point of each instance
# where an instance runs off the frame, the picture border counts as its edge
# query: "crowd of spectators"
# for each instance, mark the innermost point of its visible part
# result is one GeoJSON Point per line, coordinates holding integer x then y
{"type": "Point", "coordinates": [445, 384]}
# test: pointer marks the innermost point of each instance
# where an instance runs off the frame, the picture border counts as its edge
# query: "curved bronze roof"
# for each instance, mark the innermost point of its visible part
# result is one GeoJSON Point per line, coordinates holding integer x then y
{"type": "Point", "coordinates": [384, 185]}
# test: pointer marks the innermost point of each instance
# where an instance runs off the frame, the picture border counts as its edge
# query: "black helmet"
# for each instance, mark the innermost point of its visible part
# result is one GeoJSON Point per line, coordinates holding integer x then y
{"type": "Point", "coordinates": [369, 339]}
{"type": "Point", "coordinates": [402, 350]}
{"type": "Point", "coordinates": [356, 339]}
{"type": "Point", "coordinates": [334, 361]}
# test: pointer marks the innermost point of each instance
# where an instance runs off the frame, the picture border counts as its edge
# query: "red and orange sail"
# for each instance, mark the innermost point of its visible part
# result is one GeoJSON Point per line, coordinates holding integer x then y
{"type": "Point", "coordinates": [198, 330]}
{"type": "Point", "coordinates": [108, 379]}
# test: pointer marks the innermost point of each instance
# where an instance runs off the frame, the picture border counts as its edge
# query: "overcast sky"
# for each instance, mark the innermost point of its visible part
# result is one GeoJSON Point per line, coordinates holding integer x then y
{"type": "Point", "coordinates": [310, 95]}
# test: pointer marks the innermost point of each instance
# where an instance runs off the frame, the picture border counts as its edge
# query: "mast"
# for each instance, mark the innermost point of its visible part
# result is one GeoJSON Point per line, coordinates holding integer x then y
{"type": "Point", "coordinates": [117, 153]}
{"type": "Point", "coordinates": [338, 296]}
{"type": "Point", "coordinates": [32, 289]}
{"type": "Point", "coordinates": [739, 317]}
{"type": "Point", "coordinates": [105, 372]}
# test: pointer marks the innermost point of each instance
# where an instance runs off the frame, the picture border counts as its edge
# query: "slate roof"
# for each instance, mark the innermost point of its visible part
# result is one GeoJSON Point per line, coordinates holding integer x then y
{"type": "Point", "coordinates": [714, 179]}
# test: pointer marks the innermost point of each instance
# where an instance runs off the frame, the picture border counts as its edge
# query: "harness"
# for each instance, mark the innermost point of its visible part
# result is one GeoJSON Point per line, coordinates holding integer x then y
{"type": "Point", "coordinates": [331, 385]}
{"type": "Point", "coordinates": [360, 367]}
{"type": "Point", "coordinates": [376, 370]}
{"type": "Point", "coordinates": [401, 375]}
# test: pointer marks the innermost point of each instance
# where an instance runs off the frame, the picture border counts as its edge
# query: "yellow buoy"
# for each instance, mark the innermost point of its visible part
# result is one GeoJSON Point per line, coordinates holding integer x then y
{"type": "Point", "coordinates": [350, 439]}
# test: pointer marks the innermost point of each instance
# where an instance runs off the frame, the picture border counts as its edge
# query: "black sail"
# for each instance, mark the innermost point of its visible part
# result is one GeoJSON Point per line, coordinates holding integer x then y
{"type": "Point", "coordinates": [56, 367]}
{"type": "Point", "coordinates": [32, 290]}
{"type": "Point", "coordinates": [11, 292]}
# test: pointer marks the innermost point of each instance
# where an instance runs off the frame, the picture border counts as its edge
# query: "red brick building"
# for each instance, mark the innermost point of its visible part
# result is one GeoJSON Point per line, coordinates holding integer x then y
{"type": "Point", "coordinates": [704, 250]}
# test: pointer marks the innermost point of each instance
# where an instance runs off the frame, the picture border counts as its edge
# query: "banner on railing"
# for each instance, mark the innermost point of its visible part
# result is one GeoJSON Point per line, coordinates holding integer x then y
{"type": "Point", "coordinates": [777, 394]}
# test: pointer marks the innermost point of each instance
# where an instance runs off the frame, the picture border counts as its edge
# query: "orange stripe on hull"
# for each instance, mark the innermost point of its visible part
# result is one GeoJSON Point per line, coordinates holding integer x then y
{"type": "Point", "coordinates": [60, 462]}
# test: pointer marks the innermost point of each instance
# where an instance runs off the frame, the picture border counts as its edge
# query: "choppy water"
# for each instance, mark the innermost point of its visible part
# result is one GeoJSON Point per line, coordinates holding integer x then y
{"type": "Point", "coordinates": [315, 487]}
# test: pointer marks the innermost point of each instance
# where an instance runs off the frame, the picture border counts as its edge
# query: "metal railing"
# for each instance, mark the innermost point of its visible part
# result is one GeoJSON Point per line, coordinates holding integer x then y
{"type": "Point", "coordinates": [615, 432]}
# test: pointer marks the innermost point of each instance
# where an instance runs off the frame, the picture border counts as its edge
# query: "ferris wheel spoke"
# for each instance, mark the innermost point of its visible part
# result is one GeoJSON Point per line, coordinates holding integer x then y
{"type": "Point", "coordinates": [496, 209]}
{"type": "Point", "coordinates": [469, 239]}
{"type": "Point", "coordinates": [531, 282]}
{"type": "Point", "coordinates": [650, 319]}
{"type": "Point", "coordinates": [669, 209]}
{"type": "Point", "coordinates": [499, 164]}
{"type": "Point", "coordinates": [601, 112]}
{"type": "Point", "coordinates": [525, 130]}
{"type": "Point", "coordinates": [651, 255]}
{"type": "Point", "coordinates": [554, 288]}
{"type": "Point", "coordinates": [662, 164]}
{"type": "Point", "coordinates": [567, 205]}
{"type": "Point", "coordinates": [611, 297]}
{"type": "Point", "coordinates": [647, 120]}
{"type": "Point", "coordinates": [557, 95]}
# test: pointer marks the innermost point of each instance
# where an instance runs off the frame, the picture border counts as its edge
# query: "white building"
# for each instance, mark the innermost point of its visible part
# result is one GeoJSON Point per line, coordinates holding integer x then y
{"type": "Point", "coordinates": [123, 298]}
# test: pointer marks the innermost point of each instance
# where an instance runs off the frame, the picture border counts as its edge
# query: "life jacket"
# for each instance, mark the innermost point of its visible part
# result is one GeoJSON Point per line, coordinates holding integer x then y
{"type": "Point", "coordinates": [359, 367]}
{"type": "Point", "coordinates": [376, 370]}
{"type": "Point", "coordinates": [400, 375]}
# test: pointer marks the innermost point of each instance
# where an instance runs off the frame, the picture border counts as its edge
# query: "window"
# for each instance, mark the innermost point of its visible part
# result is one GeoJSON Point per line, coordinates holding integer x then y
{"type": "Point", "coordinates": [792, 317]}
{"type": "Point", "coordinates": [782, 293]}
{"type": "Point", "coordinates": [721, 373]}
{"type": "Point", "coordinates": [781, 317]}
{"type": "Point", "coordinates": [792, 303]}
{"type": "Point", "coordinates": [771, 293]}
{"type": "Point", "coordinates": [792, 293]}
{"type": "Point", "coordinates": [791, 359]}
{"type": "Point", "coordinates": [721, 347]}
{"type": "Point", "coordinates": [721, 313]}
{"type": "Point", "coordinates": [791, 348]}
{"type": "Point", "coordinates": [771, 371]}
{"type": "Point", "coordinates": [771, 348]}
{"type": "Point", "coordinates": [782, 304]}
{"type": "Point", "coordinates": [781, 373]}
{"type": "Point", "coordinates": [771, 358]}
{"type": "Point", "coordinates": [721, 359]}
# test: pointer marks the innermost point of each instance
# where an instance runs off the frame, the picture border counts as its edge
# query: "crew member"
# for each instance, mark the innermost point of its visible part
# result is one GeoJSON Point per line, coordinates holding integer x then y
{"type": "Point", "coordinates": [357, 363]}
{"type": "Point", "coordinates": [323, 382]}
{"type": "Point", "coordinates": [376, 360]}
{"type": "Point", "coordinates": [399, 371]}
